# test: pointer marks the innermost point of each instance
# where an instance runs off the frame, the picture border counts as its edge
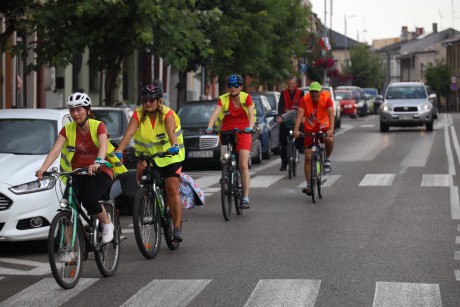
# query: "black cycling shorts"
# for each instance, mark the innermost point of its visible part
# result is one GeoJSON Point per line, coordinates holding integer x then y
{"type": "Point", "coordinates": [171, 170]}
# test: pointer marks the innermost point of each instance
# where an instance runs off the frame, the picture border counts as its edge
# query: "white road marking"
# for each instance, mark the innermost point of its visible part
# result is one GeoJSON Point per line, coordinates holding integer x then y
{"type": "Point", "coordinates": [457, 275]}
{"type": "Point", "coordinates": [418, 155]}
{"type": "Point", "coordinates": [377, 180]}
{"type": "Point", "coordinates": [454, 203]}
{"type": "Point", "coordinates": [207, 181]}
{"type": "Point", "coordinates": [457, 255]}
{"type": "Point", "coordinates": [168, 292]}
{"type": "Point", "coordinates": [330, 180]}
{"type": "Point", "coordinates": [127, 230]}
{"type": "Point", "coordinates": [390, 294]}
{"type": "Point", "coordinates": [46, 293]}
{"type": "Point", "coordinates": [457, 240]}
{"type": "Point", "coordinates": [436, 180]}
{"type": "Point", "coordinates": [262, 181]}
{"type": "Point", "coordinates": [284, 292]}
{"type": "Point", "coordinates": [37, 268]}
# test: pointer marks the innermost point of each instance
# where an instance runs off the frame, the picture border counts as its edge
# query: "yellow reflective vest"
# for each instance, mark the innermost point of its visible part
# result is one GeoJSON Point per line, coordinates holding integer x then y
{"type": "Point", "coordinates": [150, 140]}
{"type": "Point", "coordinates": [225, 100]}
{"type": "Point", "coordinates": [68, 150]}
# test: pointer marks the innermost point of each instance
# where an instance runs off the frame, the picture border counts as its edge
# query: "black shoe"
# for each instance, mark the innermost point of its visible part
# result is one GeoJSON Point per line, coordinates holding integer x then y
{"type": "Point", "coordinates": [307, 190]}
{"type": "Point", "coordinates": [244, 204]}
{"type": "Point", "coordinates": [283, 168]}
{"type": "Point", "coordinates": [177, 235]}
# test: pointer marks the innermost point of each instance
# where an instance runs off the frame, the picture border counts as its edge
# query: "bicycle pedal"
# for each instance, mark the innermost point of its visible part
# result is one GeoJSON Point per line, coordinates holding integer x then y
{"type": "Point", "coordinates": [122, 238]}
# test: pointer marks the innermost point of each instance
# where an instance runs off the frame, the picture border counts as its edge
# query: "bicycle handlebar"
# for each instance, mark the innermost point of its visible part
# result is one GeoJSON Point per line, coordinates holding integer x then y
{"type": "Point", "coordinates": [54, 172]}
{"type": "Point", "coordinates": [144, 157]}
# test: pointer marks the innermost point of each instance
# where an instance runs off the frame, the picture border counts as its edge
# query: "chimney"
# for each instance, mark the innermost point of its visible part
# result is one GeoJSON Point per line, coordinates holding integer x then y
{"type": "Point", "coordinates": [435, 27]}
{"type": "Point", "coordinates": [419, 31]}
{"type": "Point", "coordinates": [404, 33]}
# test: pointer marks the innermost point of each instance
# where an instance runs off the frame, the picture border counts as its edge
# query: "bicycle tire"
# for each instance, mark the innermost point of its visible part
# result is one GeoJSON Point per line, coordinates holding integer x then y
{"type": "Point", "coordinates": [108, 255]}
{"type": "Point", "coordinates": [290, 160]}
{"type": "Point", "coordinates": [319, 176]}
{"type": "Point", "coordinates": [295, 161]}
{"type": "Point", "coordinates": [66, 274]}
{"type": "Point", "coordinates": [238, 192]}
{"type": "Point", "coordinates": [147, 223]}
{"type": "Point", "coordinates": [168, 226]}
{"type": "Point", "coordinates": [313, 178]}
{"type": "Point", "coordinates": [226, 192]}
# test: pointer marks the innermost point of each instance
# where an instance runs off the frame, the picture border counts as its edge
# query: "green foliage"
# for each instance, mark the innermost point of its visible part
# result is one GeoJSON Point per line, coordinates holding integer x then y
{"type": "Point", "coordinates": [438, 77]}
{"type": "Point", "coordinates": [366, 68]}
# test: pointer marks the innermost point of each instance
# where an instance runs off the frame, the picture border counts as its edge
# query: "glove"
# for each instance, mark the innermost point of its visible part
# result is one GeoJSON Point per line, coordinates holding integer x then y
{"type": "Point", "coordinates": [119, 154]}
{"type": "Point", "coordinates": [247, 130]}
{"type": "Point", "coordinates": [173, 150]}
{"type": "Point", "coordinates": [208, 130]}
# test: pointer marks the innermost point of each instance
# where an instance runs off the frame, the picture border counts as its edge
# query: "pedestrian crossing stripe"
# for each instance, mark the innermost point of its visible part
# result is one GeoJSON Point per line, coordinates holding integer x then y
{"type": "Point", "coordinates": [377, 180]}
{"type": "Point", "coordinates": [268, 292]}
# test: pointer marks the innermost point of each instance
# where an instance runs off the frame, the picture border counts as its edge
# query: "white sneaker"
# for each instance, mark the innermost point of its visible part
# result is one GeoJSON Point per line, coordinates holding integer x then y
{"type": "Point", "coordinates": [107, 233]}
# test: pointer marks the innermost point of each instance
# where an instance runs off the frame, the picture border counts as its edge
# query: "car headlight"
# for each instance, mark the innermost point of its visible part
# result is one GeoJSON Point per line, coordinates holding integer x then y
{"type": "Point", "coordinates": [386, 108]}
{"type": "Point", "coordinates": [426, 106]}
{"type": "Point", "coordinates": [34, 186]}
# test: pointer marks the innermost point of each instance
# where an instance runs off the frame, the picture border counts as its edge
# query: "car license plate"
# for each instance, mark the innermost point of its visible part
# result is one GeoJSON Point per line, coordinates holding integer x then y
{"type": "Point", "coordinates": [200, 154]}
{"type": "Point", "coordinates": [405, 117]}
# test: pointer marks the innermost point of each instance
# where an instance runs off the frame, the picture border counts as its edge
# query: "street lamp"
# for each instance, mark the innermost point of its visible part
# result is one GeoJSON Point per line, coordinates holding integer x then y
{"type": "Point", "coordinates": [345, 17]}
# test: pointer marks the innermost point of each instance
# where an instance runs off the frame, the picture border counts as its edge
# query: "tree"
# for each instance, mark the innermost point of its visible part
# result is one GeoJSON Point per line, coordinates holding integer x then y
{"type": "Point", "coordinates": [366, 68]}
{"type": "Point", "coordinates": [438, 77]}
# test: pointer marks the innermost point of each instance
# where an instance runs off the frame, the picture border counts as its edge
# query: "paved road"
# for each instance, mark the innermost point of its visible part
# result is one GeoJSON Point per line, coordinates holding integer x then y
{"type": "Point", "coordinates": [386, 233]}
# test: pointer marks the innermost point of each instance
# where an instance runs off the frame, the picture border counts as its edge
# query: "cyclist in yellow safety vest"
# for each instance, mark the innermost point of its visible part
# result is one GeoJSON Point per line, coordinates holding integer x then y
{"type": "Point", "coordinates": [235, 109]}
{"type": "Point", "coordinates": [84, 143]}
{"type": "Point", "coordinates": [156, 128]}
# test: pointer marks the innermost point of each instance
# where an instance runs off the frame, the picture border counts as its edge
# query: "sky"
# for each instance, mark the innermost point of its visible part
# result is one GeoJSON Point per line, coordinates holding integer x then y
{"type": "Point", "coordinates": [376, 19]}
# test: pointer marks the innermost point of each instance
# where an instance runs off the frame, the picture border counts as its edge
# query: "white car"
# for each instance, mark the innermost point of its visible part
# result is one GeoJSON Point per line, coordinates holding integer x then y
{"type": "Point", "coordinates": [27, 206]}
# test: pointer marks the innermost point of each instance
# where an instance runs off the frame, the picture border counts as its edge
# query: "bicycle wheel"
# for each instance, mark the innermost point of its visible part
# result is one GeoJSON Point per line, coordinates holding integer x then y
{"type": "Point", "coordinates": [226, 192]}
{"type": "Point", "coordinates": [65, 259]}
{"type": "Point", "coordinates": [168, 226]}
{"type": "Point", "coordinates": [107, 255]}
{"type": "Point", "coordinates": [319, 176]}
{"type": "Point", "coordinates": [147, 223]}
{"type": "Point", "coordinates": [313, 178]}
{"type": "Point", "coordinates": [290, 159]}
{"type": "Point", "coordinates": [238, 192]}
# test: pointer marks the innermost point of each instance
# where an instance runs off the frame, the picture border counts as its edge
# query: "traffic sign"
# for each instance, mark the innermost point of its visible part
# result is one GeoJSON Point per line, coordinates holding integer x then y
{"type": "Point", "coordinates": [453, 87]}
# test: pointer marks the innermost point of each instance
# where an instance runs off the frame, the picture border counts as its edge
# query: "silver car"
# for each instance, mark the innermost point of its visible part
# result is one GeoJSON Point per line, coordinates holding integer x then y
{"type": "Point", "coordinates": [406, 104]}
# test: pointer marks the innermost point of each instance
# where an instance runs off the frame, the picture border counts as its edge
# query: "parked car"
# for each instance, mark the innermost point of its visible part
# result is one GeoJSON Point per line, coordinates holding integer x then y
{"type": "Point", "coordinates": [116, 120]}
{"type": "Point", "coordinates": [348, 105]}
{"type": "Point", "coordinates": [406, 104]}
{"type": "Point", "coordinates": [273, 98]}
{"type": "Point", "coordinates": [361, 100]}
{"type": "Point", "coordinates": [200, 147]}
{"type": "Point", "coordinates": [270, 129]}
{"type": "Point", "coordinates": [337, 108]}
{"type": "Point", "coordinates": [374, 104]}
{"type": "Point", "coordinates": [27, 206]}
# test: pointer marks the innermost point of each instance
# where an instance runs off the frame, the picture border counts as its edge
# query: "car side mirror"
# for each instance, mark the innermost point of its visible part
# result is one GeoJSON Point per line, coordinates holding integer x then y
{"type": "Point", "coordinates": [432, 96]}
{"type": "Point", "coordinates": [379, 97]}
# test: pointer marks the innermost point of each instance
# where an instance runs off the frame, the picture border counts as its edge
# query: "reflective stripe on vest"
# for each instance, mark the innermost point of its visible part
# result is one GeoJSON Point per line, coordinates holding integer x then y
{"type": "Point", "coordinates": [322, 117]}
{"type": "Point", "coordinates": [150, 140]}
{"type": "Point", "coordinates": [225, 100]}
{"type": "Point", "coordinates": [68, 150]}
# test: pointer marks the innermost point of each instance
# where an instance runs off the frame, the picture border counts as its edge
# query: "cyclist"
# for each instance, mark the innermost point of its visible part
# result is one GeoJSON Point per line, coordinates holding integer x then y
{"type": "Point", "coordinates": [289, 101]}
{"type": "Point", "coordinates": [84, 143]}
{"type": "Point", "coordinates": [316, 110]}
{"type": "Point", "coordinates": [235, 109]}
{"type": "Point", "coordinates": [156, 128]}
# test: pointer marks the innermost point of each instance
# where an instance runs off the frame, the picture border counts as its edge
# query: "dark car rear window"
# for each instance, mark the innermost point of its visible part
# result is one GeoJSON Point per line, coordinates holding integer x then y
{"type": "Point", "coordinates": [196, 113]}
{"type": "Point", "coordinates": [27, 136]}
{"type": "Point", "coordinates": [112, 121]}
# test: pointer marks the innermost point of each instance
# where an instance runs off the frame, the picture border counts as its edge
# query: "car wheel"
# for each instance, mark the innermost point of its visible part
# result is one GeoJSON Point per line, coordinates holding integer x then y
{"type": "Point", "coordinates": [384, 127]}
{"type": "Point", "coordinates": [257, 157]}
{"type": "Point", "coordinates": [429, 126]}
{"type": "Point", "coordinates": [266, 155]}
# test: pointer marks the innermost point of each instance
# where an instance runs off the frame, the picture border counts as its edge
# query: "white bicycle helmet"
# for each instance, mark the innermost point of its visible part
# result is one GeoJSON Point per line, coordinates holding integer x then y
{"type": "Point", "coordinates": [78, 100]}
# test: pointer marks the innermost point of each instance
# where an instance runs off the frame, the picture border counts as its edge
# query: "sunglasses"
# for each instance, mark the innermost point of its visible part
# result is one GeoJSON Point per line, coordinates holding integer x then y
{"type": "Point", "coordinates": [148, 100]}
{"type": "Point", "coordinates": [233, 85]}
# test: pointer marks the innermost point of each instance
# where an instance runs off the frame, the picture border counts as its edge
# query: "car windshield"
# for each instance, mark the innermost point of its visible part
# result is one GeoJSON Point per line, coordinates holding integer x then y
{"type": "Point", "coordinates": [371, 91]}
{"type": "Point", "coordinates": [271, 100]}
{"type": "Point", "coordinates": [344, 95]}
{"type": "Point", "coordinates": [406, 92]}
{"type": "Point", "coordinates": [196, 113]}
{"type": "Point", "coordinates": [27, 136]}
{"type": "Point", "coordinates": [112, 121]}
{"type": "Point", "coordinates": [258, 106]}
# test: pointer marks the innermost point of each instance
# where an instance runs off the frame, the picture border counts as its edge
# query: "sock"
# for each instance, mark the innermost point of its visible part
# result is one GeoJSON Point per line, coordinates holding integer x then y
{"type": "Point", "coordinates": [246, 198]}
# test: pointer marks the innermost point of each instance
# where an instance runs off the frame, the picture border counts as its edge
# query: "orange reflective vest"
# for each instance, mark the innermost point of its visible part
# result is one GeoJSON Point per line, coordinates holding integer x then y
{"type": "Point", "coordinates": [322, 117]}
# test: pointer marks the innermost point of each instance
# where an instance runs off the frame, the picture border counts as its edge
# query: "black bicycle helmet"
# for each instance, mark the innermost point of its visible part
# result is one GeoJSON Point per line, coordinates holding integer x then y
{"type": "Point", "coordinates": [152, 92]}
{"type": "Point", "coordinates": [235, 79]}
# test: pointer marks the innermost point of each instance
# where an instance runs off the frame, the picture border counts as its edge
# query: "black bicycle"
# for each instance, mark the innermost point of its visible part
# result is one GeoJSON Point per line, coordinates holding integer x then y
{"type": "Point", "coordinates": [70, 241]}
{"type": "Point", "coordinates": [231, 189]}
{"type": "Point", "coordinates": [317, 164]}
{"type": "Point", "coordinates": [293, 156]}
{"type": "Point", "coordinates": [150, 211]}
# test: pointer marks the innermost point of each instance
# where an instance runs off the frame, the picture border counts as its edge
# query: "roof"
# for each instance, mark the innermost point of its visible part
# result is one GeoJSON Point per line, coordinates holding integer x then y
{"type": "Point", "coordinates": [338, 40]}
